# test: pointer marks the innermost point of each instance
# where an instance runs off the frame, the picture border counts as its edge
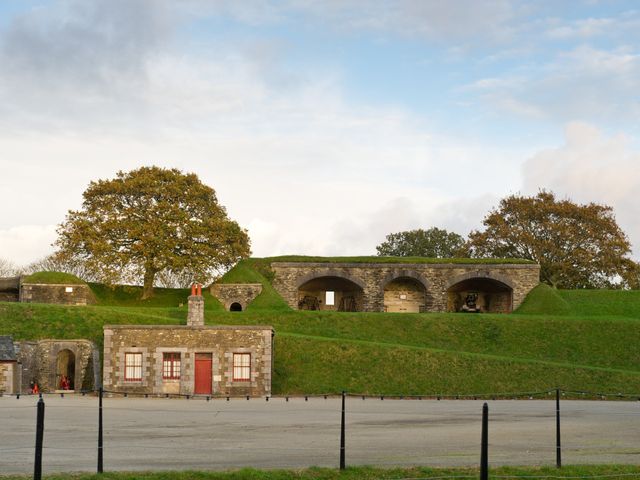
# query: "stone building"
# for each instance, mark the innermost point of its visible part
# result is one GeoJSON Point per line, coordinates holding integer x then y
{"type": "Point", "coordinates": [404, 287]}
{"type": "Point", "coordinates": [17, 289]}
{"type": "Point", "coordinates": [236, 296]}
{"type": "Point", "coordinates": [46, 362]}
{"type": "Point", "coordinates": [9, 368]}
{"type": "Point", "coordinates": [191, 359]}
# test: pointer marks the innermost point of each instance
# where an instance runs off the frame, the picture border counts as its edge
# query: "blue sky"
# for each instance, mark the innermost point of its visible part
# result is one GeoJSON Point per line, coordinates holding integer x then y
{"type": "Point", "coordinates": [322, 125]}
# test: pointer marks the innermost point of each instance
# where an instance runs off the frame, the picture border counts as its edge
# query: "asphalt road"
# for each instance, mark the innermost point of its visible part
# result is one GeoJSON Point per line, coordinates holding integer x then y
{"type": "Point", "coordinates": [168, 434]}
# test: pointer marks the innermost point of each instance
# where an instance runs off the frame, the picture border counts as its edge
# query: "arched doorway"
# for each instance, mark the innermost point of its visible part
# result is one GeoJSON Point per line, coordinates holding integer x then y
{"type": "Point", "coordinates": [65, 369]}
{"type": "Point", "coordinates": [235, 307]}
{"type": "Point", "coordinates": [330, 293]}
{"type": "Point", "coordinates": [405, 294]}
{"type": "Point", "coordinates": [484, 295]}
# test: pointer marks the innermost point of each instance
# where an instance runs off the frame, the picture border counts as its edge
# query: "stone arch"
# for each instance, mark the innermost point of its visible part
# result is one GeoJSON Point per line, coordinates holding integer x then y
{"type": "Point", "coordinates": [405, 273]}
{"type": "Point", "coordinates": [330, 291]}
{"type": "Point", "coordinates": [480, 292]}
{"type": "Point", "coordinates": [236, 307]}
{"type": "Point", "coordinates": [480, 274]}
{"type": "Point", "coordinates": [404, 293]}
{"type": "Point", "coordinates": [329, 272]}
{"type": "Point", "coordinates": [65, 368]}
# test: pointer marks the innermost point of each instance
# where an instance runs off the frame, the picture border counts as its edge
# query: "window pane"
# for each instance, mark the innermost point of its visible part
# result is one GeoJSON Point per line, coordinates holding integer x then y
{"type": "Point", "coordinates": [330, 298]}
{"type": "Point", "coordinates": [133, 366]}
{"type": "Point", "coordinates": [171, 365]}
{"type": "Point", "coordinates": [241, 366]}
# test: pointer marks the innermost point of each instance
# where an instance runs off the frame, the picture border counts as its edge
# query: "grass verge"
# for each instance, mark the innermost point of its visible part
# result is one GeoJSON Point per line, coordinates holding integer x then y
{"type": "Point", "coordinates": [630, 472]}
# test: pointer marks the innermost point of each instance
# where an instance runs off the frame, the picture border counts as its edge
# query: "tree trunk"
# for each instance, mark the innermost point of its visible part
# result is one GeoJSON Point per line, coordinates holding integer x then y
{"type": "Point", "coordinates": [147, 287]}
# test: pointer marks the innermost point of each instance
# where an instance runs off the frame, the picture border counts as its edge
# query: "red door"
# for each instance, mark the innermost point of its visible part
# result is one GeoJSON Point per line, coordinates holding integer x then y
{"type": "Point", "coordinates": [203, 374]}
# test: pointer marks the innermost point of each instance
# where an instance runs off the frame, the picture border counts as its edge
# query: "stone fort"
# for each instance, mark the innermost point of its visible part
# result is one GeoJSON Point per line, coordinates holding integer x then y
{"type": "Point", "coordinates": [394, 287]}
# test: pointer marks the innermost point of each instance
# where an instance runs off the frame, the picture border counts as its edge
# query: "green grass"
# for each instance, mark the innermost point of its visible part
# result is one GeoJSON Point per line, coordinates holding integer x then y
{"type": "Point", "coordinates": [257, 271]}
{"type": "Point", "coordinates": [544, 300]}
{"type": "Point", "coordinates": [631, 472]}
{"type": "Point", "coordinates": [53, 277]}
{"type": "Point", "coordinates": [603, 302]}
{"type": "Point", "coordinates": [321, 352]}
{"type": "Point", "coordinates": [130, 296]}
{"type": "Point", "coordinates": [577, 340]}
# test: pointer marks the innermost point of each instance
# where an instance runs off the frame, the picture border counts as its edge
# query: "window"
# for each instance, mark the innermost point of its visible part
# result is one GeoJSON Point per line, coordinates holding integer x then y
{"type": "Point", "coordinates": [68, 289]}
{"type": "Point", "coordinates": [133, 367]}
{"type": "Point", "coordinates": [330, 298]}
{"type": "Point", "coordinates": [171, 365]}
{"type": "Point", "coordinates": [241, 367]}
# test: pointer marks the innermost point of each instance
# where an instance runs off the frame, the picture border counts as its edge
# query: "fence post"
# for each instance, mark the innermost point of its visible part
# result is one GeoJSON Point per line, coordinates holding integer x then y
{"type": "Point", "coordinates": [342, 427]}
{"type": "Point", "coordinates": [484, 448]}
{"type": "Point", "coordinates": [100, 458]}
{"type": "Point", "coordinates": [558, 447]}
{"type": "Point", "coordinates": [37, 468]}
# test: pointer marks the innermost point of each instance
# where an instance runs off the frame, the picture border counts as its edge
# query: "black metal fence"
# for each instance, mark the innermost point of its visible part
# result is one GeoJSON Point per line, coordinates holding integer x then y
{"type": "Point", "coordinates": [349, 404]}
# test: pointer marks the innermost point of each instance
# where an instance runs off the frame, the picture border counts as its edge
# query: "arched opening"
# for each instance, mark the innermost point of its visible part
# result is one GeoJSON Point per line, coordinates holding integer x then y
{"type": "Point", "coordinates": [405, 294]}
{"type": "Point", "coordinates": [65, 370]}
{"type": "Point", "coordinates": [484, 295]}
{"type": "Point", "coordinates": [330, 293]}
{"type": "Point", "coordinates": [235, 307]}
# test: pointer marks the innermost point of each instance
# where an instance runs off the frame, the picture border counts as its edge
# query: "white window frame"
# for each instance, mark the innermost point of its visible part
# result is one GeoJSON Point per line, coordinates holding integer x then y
{"type": "Point", "coordinates": [241, 367]}
{"type": "Point", "coordinates": [133, 366]}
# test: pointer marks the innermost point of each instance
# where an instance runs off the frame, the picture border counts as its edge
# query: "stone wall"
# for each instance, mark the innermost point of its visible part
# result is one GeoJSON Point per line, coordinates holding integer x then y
{"type": "Point", "coordinates": [8, 383]}
{"type": "Point", "coordinates": [41, 363]}
{"type": "Point", "coordinates": [220, 341]}
{"type": "Point", "coordinates": [241, 293]}
{"type": "Point", "coordinates": [437, 279]}
{"type": "Point", "coordinates": [65, 294]}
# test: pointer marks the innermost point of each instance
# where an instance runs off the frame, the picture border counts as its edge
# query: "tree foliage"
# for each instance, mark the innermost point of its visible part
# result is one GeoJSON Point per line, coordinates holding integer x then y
{"type": "Point", "coordinates": [433, 243]}
{"type": "Point", "coordinates": [148, 221]}
{"type": "Point", "coordinates": [577, 246]}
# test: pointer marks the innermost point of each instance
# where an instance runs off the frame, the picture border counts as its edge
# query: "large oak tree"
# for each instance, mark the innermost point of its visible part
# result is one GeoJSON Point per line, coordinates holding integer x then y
{"type": "Point", "coordinates": [148, 221]}
{"type": "Point", "coordinates": [577, 246]}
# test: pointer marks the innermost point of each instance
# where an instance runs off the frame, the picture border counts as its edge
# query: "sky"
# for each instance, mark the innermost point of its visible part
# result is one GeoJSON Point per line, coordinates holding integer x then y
{"type": "Point", "coordinates": [323, 126]}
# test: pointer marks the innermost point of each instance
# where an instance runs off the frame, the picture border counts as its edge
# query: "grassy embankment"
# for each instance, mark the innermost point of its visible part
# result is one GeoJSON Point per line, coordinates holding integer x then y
{"type": "Point", "coordinates": [630, 472]}
{"type": "Point", "coordinates": [582, 340]}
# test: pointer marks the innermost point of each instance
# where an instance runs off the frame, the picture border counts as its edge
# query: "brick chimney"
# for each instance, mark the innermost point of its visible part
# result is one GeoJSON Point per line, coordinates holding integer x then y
{"type": "Point", "coordinates": [195, 314]}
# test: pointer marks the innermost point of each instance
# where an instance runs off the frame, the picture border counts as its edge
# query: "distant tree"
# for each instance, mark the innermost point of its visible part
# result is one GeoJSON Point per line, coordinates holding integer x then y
{"type": "Point", "coordinates": [7, 269]}
{"type": "Point", "coordinates": [434, 243]}
{"type": "Point", "coordinates": [577, 246]}
{"type": "Point", "coordinates": [148, 221]}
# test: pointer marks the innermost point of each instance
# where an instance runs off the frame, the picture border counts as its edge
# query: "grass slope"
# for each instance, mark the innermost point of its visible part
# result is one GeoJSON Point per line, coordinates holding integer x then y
{"type": "Point", "coordinates": [394, 353]}
{"type": "Point", "coordinates": [53, 278]}
{"type": "Point", "coordinates": [544, 300]}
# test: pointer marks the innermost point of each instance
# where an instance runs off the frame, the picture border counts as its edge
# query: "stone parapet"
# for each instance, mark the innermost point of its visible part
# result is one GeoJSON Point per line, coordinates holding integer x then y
{"type": "Point", "coordinates": [437, 280]}
{"type": "Point", "coordinates": [63, 294]}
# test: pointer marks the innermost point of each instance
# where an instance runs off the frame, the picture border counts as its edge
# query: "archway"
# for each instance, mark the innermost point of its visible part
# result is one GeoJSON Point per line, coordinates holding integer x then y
{"type": "Point", "coordinates": [235, 307]}
{"type": "Point", "coordinates": [330, 293]}
{"type": "Point", "coordinates": [65, 368]}
{"type": "Point", "coordinates": [405, 294]}
{"type": "Point", "coordinates": [484, 295]}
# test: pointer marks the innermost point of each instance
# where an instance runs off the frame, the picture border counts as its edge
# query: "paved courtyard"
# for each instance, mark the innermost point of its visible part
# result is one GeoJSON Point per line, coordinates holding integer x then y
{"type": "Point", "coordinates": [164, 434]}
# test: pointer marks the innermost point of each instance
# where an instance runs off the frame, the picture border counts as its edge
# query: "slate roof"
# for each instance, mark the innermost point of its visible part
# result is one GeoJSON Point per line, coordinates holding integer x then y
{"type": "Point", "coordinates": [7, 352]}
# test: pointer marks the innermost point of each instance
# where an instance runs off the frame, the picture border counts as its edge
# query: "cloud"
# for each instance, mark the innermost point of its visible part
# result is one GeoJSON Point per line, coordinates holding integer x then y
{"type": "Point", "coordinates": [23, 244]}
{"type": "Point", "coordinates": [585, 82]}
{"type": "Point", "coordinates": [591, 167]}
